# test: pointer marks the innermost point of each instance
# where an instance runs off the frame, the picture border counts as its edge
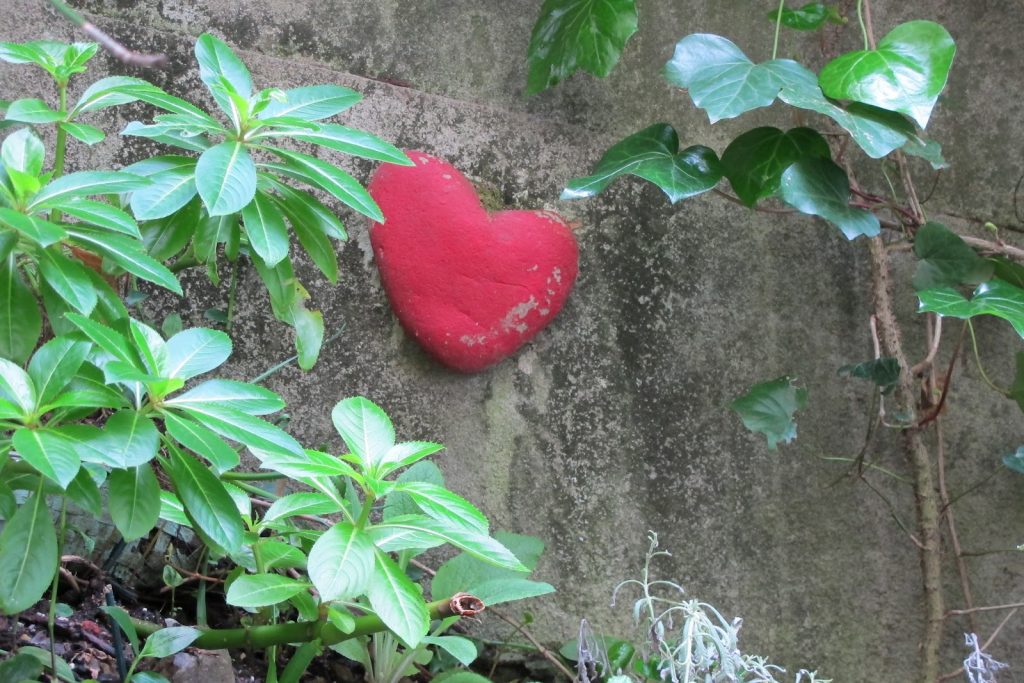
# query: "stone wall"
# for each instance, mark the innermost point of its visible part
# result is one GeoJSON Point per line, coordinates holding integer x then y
{"type": "Point", "coordinates": [614, 420]}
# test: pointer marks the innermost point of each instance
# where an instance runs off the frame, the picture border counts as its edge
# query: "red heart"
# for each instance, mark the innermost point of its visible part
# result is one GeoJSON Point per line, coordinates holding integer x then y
{"type": "Point", "coordinates": [469, 286]}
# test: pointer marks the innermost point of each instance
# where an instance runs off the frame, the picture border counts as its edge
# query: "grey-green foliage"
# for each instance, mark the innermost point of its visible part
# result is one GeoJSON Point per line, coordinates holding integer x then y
{"type": "Point", "coordinates": [689, 641]}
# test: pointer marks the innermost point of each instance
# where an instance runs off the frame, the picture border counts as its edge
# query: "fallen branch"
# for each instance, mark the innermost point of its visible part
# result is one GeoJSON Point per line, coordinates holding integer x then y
{"type": "Point", "coordinates": [109, 43]}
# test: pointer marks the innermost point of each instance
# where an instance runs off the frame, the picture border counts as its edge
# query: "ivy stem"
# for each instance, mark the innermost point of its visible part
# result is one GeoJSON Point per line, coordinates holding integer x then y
{"type": "Point", "coordinates": [981, 368]}
{"type": "Point", "coordinates": [860, 20]}
{"type": "Point", "coordinates": [778, 25]}
{"type": "Point", "coordinates": [51, 616]}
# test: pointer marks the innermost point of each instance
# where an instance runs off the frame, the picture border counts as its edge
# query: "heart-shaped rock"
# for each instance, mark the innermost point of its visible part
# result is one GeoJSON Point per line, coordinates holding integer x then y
{"type": "Point", "coordinates": [469, 286]}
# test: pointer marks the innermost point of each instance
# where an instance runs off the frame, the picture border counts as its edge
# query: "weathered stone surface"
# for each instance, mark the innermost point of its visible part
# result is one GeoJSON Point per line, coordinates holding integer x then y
{"type": "Point", "coordinates": [614, 420]}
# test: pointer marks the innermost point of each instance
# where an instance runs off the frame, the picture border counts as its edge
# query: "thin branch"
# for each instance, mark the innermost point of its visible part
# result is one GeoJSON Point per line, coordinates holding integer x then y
{"type": "Point", "coordinates": [932, 351]}
{"type": "Point", "coordinates": [109, 43]}
{"type": "Point", "coordinates": [958, 551]}
{"type": "Point", "coordinates": [996, 248]}
{"type": "Point", "coordinates": [987, 608]}
{"type": "Point", "coordinates": [546, 653]}
{"type": "Point", "coordinates": [892, 512]}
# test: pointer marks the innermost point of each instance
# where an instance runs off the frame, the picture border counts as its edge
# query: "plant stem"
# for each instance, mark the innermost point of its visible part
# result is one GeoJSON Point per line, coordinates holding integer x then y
{"type": "Point", "coordinates": [778, 25]}
{"type": "Point", "coordinates": [250, 476]}
{"type": "Point", "coordinates": [232, 291]}
{"type": "Point", "coordinates": [260, 637]}
{"type": "Point", "coordinates": [860, 20]}
{"type": "Point", "coordinates": [60, 148]}
{"type": "Point", "coordinates": [51, 616]}
{"type": "Point", "coordinates": [981, 368]}
{"type": "Point", "coordinates": [108, 43]}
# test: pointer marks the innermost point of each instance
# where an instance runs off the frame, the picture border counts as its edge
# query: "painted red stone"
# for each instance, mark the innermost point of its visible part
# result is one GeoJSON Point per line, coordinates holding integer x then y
{"type": "Point", "coordinates": [469, 286]}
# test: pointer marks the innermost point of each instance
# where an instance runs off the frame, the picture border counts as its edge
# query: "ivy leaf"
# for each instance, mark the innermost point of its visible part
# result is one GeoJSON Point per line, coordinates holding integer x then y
{"type": "Point", "coordinates": [721, 79]}
{"type": "Point", "coordinates": [946, 260]}
{"type": "Point", "coordinates": [226, 178]}
{"type": "Point", "coordinates": [1015, 461]}
{"type": "Point", "coordinates": [653, 154]}
{"type": "Point", "coordinates": [577, 34]}
{"type": "Point", "coordinates": [769, 407]}
{"type": "Point", "coordinates": [994, 297]}
{"type": "Point", "coordinates": [810, 17]}
{"type": "Point", "coordinates": [820, 188]}
{"type": "Point", "coordinates": [884, 372]}
{"type": "Point", "coordinates": [755, 160]}
{"type": "Point", "coordinates": [905, 73]}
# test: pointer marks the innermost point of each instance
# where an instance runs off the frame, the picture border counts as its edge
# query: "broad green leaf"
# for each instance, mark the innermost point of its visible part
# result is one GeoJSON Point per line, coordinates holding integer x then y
{"type": "Point", "coordinates": [22, 150]}
{"type": "Point", "coordinates": [106, 92]}
{"type": "Point", "coordinates": [256, 434]}
{"type": "Point", "coordinates": [172, 510]}
{"type": "Point", "coordinates": [90, 135]}
{"type": "Point", "coordinates": [366, 429]}
{"type": "Point", "coordinates": [68, 278]}
{"type": "Point", "coordinates": [166, 237]}
{"type": "Point", "coordinates": [201, 441]}
{"type": "Point", "coordinates": [477, 544]}
{"type": "Point", "coordinates": [248, 398]}
{"type": "Point", "coordinates": [769, 407]}
{"type": "Point", "coordinates": [29, 556]}
{"type": "Point", "coordinates": [406, 453]}
{"type": "Point", "coordinates": [305, 207]}
{"type": "Point", "coordinates": [46, 451]}
{"type": "Point", "coordinates": [398, 503]}
{"type": "Point", "coordinates": [206, 501]}
{"type": "Point", "coordinates": [265, 228]}
{"type": "Point", "coordinates": [341, 563]}
{"type": "Point", "coordinates": [994, 297]}
{"type": "Point", "coordinates": [754, 161]}
{"type": "Point", "coordinates": [168, 134]}
{"type": "Point", "coordinates": [462, 649]}
{"type": "Point", "coordinates": [809, 17]}
{"type": "Point", "coordinates": [396, 600]}
{"type": "Point", "coordinates": [309, 335]}
{"type": "Point", "coordinates": [32, 111]}
{"type": "Point", "coordinates": [54, 364]}
{"type": "Point", "coordinates": [211, 231]}
{"type": "Point", "coordinates": [311, 464]}
{"type": "Point", "coordinates": [101, 215]}
{"type": "Point", "coordinates": [89, 442]}
{"type": "Point", "coordinates": [314, 241]}
{"type": "Point", "coordinates": [653, 154]}
{"type": "Point", "coordinates": [168, 641]}
{"type": "Point", "coordinates": [124, 621]}
{"type": "Point", "coordinates": [134, 500]}
{"type": "Point", "coordinates": [64, 672]}
{"type": "Point", "coordinates": [149, 93]}
{"type": "Point", "coordinates": [150, 345]}
{"type": "Point", "coordinates": [158, 164]}
{"type": "Point", "coordinates": [106, 338]}
{"type": "Point", "coordinates": [38, 230]}
{"type": "Point", "coordinates": [20, 321]}
{"type": "Point", "coordinates": [883, 372]}
{"type": "Point", "coordinates": [262, 590]}
{"type": "Point", "coordinates": [905, 73]}
{"type": "Point", "coordinates": [84, 184]}
{"type": "Point", "coordinates": [170, 190]}
{"type": "Point", "coordinates": [16, 386]}
{"type": "Point", "coordinates": [946, 260]}
{"type": "Point", "coordinates": [21, 667]}
{"type": "Point", "coordinates": [721, 79]}
{"type": "Point", "coordinates": [466, 573]}
{"type": "Point", "coordinates": [929, 150]}
{"type": "Point", "coordinates": [330, 179]}
{"type": "Point", "coordinates": [577, 34]}
{"type": "Point", "coordinates": [85, 493]}
{"type": "Point", "coordinates": [279, 555]}
{"type": "Point", "coordinates": [8, 242]}
{"type": "Point", "coordinates": [820, 188]}
{"type": "Point", "coordinates": [196, 350]}
{"type": "Point", "coordinates": [1015, 461]}
{"type": "Point", "coordinates": [312, 103]}
{"type": "Point", "coordinates": [128, 254]}
{"type": "Point", "coordinates": [216, 60]}
{"type": "Point", "coordinates": [355, 142]}
{"type": "Point", "coordinates": [226, 178]}
{"type": "Point", "coordinates": [131, 438]}
{"type": "Point", "coordinates": [443, 505]}
{"type": "Point", "coordinates": [300, 504]}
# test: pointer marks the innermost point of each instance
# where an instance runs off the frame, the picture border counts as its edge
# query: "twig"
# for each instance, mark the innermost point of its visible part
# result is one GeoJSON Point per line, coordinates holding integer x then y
{"type": "Point", "coordinates": [958, 552]}
{"type": "Point", "coordinates": [98, 642]}
{"type": "Point", "coordinates": [892, 513]}
{"type": "Point", "coordinates": [932, 351]}
{"type": "Point", "coordinates": [990, 247]}
{"type": "Point", "coordinates": [546, 653]}
{"type": "Point", "coordinates": [987, 608]}
{"type": "Point", "coordinates": [945, 384]}
{"type": "Point", "coordinates": [75, 559]}
{"type": "Point", "coordinates": [109, 43]}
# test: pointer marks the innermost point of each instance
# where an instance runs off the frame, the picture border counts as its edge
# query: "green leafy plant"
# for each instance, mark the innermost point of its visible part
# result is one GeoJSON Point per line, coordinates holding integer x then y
{"type": "Point", "coordinates": [879, 98]}
{"type": "Point", "coordinates": [92, 397]}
